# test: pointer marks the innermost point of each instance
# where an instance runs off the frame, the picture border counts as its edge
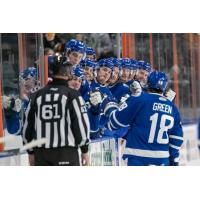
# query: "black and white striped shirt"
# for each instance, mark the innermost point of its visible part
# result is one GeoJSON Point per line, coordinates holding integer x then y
{"type": "Point", "coordinates": [59, 114]}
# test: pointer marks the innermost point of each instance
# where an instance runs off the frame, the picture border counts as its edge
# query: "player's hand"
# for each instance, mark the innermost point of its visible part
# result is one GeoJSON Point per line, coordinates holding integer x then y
{"type": "Point", "coordinates": [136, 88]}
{"type": "Point", "coordinates": [124, 98]}
{"type": "Point", "coordinates": [170, 94]}
{"type": "Point", "coordinates": [85, 159]}
{"type": "Point", "coordinates": [95, 98]}
{"type": "Point", "coordinates": [18, 105]}
{"type": "Point", "coordinates": [6, 102]}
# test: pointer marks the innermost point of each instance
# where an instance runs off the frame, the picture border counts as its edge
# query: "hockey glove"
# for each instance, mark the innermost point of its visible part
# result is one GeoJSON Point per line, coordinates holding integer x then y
{"type": "Point", "coordinates": [6, 102]}
{"type": "Point", "coordinates": [170, 94]}
{"type": "Point", "coordinates": [124, 98]}
{"type": "Point", "coordinates": [95, 98]}
{"type": "Point", "coordinates": [18, 105]}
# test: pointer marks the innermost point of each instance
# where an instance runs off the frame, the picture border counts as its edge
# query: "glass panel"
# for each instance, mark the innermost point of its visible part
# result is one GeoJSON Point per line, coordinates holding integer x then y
{"type": "Point", "coordinates": [142, 46]}
{"type": "Point", "coordinates": [10, 63]}
{"type": "Point", "coordinates": [31, 49]}
{"type": "Point", "coordinates": [184, 69]}
{"type": "Point", "coordinates": [10, 73]}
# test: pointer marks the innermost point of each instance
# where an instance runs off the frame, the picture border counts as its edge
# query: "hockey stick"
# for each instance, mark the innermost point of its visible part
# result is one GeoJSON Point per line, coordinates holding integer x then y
{"type": "Point", "coordinates": [21, 150]}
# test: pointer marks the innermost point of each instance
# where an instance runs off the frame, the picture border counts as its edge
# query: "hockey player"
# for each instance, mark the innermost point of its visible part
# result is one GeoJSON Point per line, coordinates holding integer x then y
{"type": "Point", "coordinates": [76, 78]}
{"type": "Point", "coordinates": [90, 53]}
{"type": "Point", "coordinates": [29, 83]}
{"type": "Point", "coordinates": [75, 83]}
{"type": "Point", "coordinates": [117, 88]}
{"type": "Point", "coordinates": [140, 79]}
{"type": "Point", "coordinates": [155, 133]}
{"type": "Point", "coordinates": [126, 70]}
{"type": "Point", "coordinates": [75, 51]}
{"type": "Point", "coordinates": [103, 72]}
{"type": "Point", "coordinates": [99, 90]}
{"type": "Point", "coordinates": [134, 71]}
{"type": "Point", "coordinates": [143, 72]}
{"type": "Point", "coordinates": [88, 67]}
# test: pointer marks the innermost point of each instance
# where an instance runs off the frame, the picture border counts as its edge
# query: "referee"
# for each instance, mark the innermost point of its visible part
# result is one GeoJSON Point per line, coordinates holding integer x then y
{"type": "Point", "coordinates": [58, 114]}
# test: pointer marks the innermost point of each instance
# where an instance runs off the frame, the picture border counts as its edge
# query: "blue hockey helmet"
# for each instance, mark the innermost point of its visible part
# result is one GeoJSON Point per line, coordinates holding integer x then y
{"type": "Point", "coordinates": [75, 45]}
{"type": "Point", "coordinates": [126, 63]}
{"type": "Point", "coordinates": [87, 63]}
{"type": "Point", "coordinates": [134, 64]}
{"type": "Point", "coordinates": [106, 62]}
{"type": "Point", "coordinates": [30, 72]}
{"type": "Point", "coordinates": [78, 71]}
{"type": "Point", "coordinates": [116, 62]}
{"type": "Point", "coordinates": [90, 51]}
{"type": "Point", "coordinates": [157, 80]}
{"type": "Point", "coordinates": [144, 65]}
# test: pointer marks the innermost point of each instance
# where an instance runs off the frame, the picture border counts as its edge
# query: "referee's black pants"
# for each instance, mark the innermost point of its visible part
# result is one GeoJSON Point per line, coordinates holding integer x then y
{"type": "Point", "coordinates": [62, 156]}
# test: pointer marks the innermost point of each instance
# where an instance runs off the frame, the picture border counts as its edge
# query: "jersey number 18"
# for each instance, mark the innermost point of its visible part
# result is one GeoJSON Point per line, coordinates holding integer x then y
{"type": "Point", "coordinates": [163, 128]}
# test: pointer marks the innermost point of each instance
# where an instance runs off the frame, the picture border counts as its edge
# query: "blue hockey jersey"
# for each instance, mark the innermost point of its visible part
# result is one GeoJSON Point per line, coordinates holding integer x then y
{"type": "Point", "coordinates": [119, 90]}
{"type": "Point", "coordinates": [97, 121]}
{"type": "Point", "coordinates": [155, 133]}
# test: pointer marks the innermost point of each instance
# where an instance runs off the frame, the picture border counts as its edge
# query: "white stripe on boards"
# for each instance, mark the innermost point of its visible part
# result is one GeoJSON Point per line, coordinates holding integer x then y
{"type": "Point", "coordinates": [38, 124]}
{"type": "Point", "coordinates": [48, 97]}
{"type": "Point", "coordinates": [47, 134]}
{"type": "Point", "coordinates": [85, 116]}
{"type": "Point", "coordinates": [62, 121]}
{"type": "Point", "coordinates": [146, 153]}
{"type": "Point", "coordinates": [174, 146]}
{"type": "Point", "coordinates": [70, 136]}
{"type": "Point", "coordinates": [78, 113]}
{"type": "Point", "coordinates": [56, 96]}
{"type": "Point", "coordinates": [26, 122]}
{"type": "Point", "coordinates": [117, 122]}
{"type": "Point", "coordinates": [175, 137]}
{"type": "Point", "coordinates": [55, 131]}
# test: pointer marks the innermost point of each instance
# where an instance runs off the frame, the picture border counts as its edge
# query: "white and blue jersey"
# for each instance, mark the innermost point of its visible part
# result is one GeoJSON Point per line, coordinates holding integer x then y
{"type": "Point", "coordinates": [97, 121]}
{"type": "Point", "coordinates": [12, 122]}
{"type": "Point", "coordinates": [85, 87]}
{"type": "Point", "coordinates": [155, 133]}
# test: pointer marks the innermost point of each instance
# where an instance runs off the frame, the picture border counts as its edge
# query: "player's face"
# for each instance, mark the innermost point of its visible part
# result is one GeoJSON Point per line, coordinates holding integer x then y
{"type": "Point", "coordinates": [132, 74]}
{"type": "Point", "coordinates": [75, 83]}
{"type": "Point", "coordinates": [28, 85]}
{"type": "Point", "coordinates": [142, 76]}
{"type": "Point", "coordinates": [125, 75]}
{"type": "Point", "coordinates": [88, 71]}
{"type": "Point", "coordinates": [114, 78]}
{"type": "Point", "coordinates": [91, 57]}
{"type": "Point", "coordinates": [75, 57]}
{"type": "Point", "coordinates": [103, 75]}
